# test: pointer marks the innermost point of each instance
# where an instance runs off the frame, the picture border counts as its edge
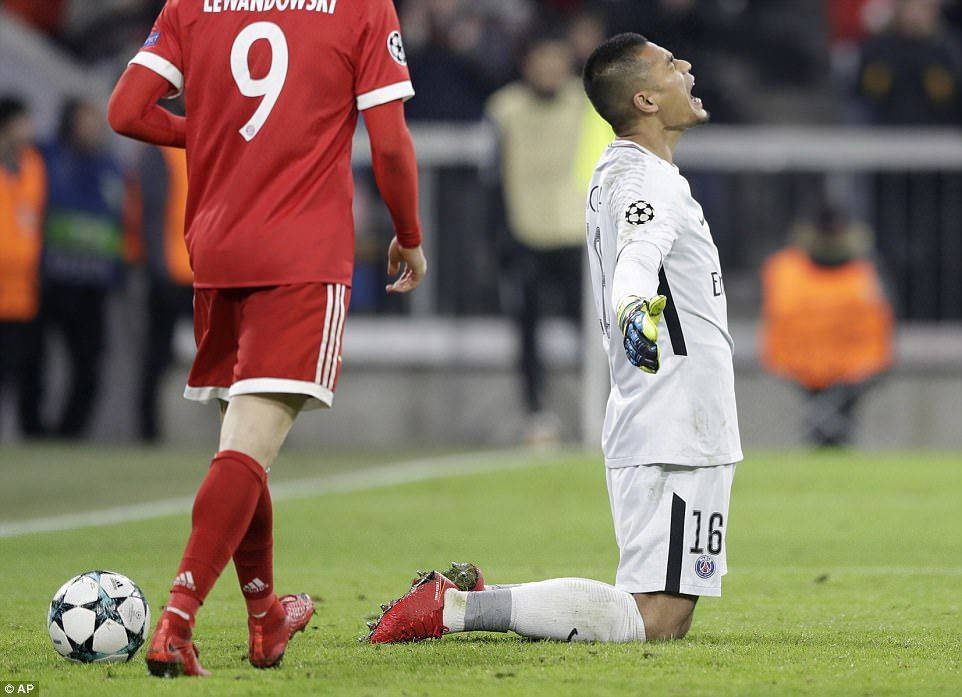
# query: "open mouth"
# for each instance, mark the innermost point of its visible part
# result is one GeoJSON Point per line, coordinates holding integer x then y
{"type": "Point", "coordinates": [695, 101]}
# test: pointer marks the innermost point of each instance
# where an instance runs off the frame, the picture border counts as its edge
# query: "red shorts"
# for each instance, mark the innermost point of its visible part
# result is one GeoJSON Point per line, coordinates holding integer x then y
{"type": "Point", "coordinates": [268, 340]}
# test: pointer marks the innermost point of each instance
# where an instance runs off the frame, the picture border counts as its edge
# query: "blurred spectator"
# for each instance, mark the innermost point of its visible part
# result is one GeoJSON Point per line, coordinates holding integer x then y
{"type": "Point", "coordinates": [82, 260]}
{"type": "Point", "coordinates": [851, 20]}
{"type": "Point", "coordinates": [586, 30]}
{"type": "Point", "coordinates": [117, 25]}
{"type": "Point", "coordinates": [787, 42]}
{"type": "Point", "coordinates": [22, 193]}
{"type": "Point", "coordinates": [163, 194]}
{"type": "Point", "coordinates": [538, 120]}
{"type": "Point", "coordinates": [826, 324]}
{"type": "Point", "coordinates": [912, 73]}
{"type": "Point", "coordinates": [849, 23]}
{"type": "Point", "coordinates": [459, 51]}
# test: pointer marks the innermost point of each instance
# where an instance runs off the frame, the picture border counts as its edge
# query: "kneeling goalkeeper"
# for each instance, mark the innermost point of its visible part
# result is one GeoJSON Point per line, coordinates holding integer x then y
{"type": "Point", "coordinates": [671, 433]}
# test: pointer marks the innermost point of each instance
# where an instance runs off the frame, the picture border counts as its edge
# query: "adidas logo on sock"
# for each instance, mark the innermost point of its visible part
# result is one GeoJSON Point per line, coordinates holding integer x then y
{"type": "Point", "coordinates": [255, 586]}
{"type": "Point", "coordinates": [185, 579]}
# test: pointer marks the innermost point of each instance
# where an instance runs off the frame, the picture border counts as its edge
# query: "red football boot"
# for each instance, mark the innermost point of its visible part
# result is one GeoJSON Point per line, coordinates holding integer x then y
{"type": "Point", "coordinates": [172, 653]}
{"type": "Point", "coordinates": [465, 575]}
{"type": "Point", "coordinates": [416, 616]}
{"type": "Point", "coordinates": [269, 634]}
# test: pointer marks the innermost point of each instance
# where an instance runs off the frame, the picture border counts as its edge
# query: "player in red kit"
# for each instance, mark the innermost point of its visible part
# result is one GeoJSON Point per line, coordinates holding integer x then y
{"type": "Point", "coordinates": [273, 89]}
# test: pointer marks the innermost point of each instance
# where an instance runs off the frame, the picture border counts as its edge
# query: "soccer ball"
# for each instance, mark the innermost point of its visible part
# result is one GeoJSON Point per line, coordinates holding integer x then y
{"type": "Point", "coordinates": [98, 617]}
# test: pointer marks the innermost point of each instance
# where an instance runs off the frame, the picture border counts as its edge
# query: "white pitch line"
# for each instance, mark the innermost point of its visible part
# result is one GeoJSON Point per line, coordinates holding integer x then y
{"type": "Point", "coordinates": [403, 472]}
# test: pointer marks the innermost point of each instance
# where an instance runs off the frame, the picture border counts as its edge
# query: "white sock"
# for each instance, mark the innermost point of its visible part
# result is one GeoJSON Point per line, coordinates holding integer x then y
{"type": "Point", "coordinates": [455, 607]}
{"type": "Point", "coordinates": [566, 609]}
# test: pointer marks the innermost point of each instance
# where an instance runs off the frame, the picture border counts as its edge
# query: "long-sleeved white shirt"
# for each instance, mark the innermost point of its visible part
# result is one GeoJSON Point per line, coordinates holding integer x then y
{"type": "Point", "coordinates": [646, 235]}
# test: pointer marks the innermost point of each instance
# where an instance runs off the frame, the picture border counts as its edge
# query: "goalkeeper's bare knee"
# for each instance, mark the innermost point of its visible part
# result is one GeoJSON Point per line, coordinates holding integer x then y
{"type": "Point", "coordinates": [666, 616]}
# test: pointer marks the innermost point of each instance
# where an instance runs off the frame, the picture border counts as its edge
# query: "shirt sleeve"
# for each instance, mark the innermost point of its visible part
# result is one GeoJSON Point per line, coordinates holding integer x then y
{"type": "Point", "coordinates": [161, 51]}
{"type": "Point", "coordinates": [381, 73]}
{"type": "Point", "coordinates": [643, 208]}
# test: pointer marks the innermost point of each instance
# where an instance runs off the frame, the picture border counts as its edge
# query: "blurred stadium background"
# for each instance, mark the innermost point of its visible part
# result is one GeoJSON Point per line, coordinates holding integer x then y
{"type": "Point", "coordinates": [833, 119]}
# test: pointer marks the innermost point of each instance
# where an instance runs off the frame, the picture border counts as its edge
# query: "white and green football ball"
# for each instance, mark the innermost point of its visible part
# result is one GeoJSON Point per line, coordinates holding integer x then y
{"type": "Point", "coordinates": [98, 617]}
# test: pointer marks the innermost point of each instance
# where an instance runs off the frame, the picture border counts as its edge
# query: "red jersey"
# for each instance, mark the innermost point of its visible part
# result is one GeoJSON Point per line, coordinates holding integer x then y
{"type": "Point", "coordinates": [273, 89]}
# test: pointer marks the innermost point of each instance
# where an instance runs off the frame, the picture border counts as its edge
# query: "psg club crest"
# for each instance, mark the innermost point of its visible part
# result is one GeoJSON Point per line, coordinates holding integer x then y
{"type": "Point", "coordinates": [639, 213]}
{"type": "Point", "coordinates": [705, 566]}
{"type": "Point", "coordinates": [396, 48]}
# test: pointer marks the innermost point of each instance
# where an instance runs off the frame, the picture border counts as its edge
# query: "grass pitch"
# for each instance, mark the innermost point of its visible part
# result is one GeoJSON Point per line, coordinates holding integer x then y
{"type": "Point", "coordinates": [845, 577]}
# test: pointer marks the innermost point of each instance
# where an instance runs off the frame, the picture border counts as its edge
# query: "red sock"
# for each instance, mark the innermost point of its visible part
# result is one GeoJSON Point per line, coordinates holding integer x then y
{"type": "Point", "coordinates": [254, 558]}
{"type": "Point", "coordinates": [222, 512]}
{"type": "Point", "coordinates": [182, 609]}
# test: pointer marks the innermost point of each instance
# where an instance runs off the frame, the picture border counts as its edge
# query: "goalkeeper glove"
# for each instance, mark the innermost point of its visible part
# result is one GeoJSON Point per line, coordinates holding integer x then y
{"type": "Point", "coordinates": [638, 319]}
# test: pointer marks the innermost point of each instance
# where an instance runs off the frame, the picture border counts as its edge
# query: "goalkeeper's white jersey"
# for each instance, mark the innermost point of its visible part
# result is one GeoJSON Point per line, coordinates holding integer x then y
{"type": "Point", "coordinates": [685, 414]}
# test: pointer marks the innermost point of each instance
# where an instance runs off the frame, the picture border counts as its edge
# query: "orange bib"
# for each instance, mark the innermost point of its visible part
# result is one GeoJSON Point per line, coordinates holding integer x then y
{"type": "Point", "coordinates": [175, 248]}
{"type": "Point", "coordinates": [22, 200]}
{"type": "Point", "coordinates": [824, 325]}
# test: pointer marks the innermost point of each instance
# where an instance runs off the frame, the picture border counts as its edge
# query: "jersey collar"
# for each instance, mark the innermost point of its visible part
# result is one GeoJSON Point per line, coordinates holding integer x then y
{"type": "Point", "coordinates": [622, 143]}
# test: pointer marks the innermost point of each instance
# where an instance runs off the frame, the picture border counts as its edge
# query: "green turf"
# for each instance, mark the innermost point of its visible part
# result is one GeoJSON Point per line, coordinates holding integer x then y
{"type": "Point", "coordinates": [45, 480]}
{"type": "Point", "coordinates": [845, 578]}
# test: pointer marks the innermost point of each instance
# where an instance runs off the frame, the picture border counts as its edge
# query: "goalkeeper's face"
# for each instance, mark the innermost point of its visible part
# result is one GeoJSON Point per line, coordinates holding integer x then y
{"type": "Point", "coordinates": [669, 94]}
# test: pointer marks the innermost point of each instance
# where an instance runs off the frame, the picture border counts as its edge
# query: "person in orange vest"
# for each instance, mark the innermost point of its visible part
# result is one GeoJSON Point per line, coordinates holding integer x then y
{"type": "Point", "coordinates": [23, 190]}
{"type": "Point", "coordinates": [826, 323]}
{"type": "Point", "coordinates": [163, 194]}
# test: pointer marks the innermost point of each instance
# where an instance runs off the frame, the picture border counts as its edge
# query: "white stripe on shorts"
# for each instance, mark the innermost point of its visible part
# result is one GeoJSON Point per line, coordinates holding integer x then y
{"type": "Point", "coordinates": [322, 353]}
{"type": "Point", "coordinates": [336, 354]}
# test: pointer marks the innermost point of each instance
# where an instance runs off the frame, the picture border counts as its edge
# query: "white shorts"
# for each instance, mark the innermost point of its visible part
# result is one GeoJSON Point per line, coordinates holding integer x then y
{"type": "Point", "coordinates": [670, 524]}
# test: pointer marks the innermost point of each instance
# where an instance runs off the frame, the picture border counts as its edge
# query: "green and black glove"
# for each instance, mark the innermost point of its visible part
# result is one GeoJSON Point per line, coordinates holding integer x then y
{"type": "Point", "coordinates": [638, 319]}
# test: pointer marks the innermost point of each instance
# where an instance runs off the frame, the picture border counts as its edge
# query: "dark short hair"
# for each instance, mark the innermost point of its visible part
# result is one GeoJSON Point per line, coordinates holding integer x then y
{"type": "Point", "coordinates": [11, 107]}
{"type": "Point", "coordinates": [606, 75]}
